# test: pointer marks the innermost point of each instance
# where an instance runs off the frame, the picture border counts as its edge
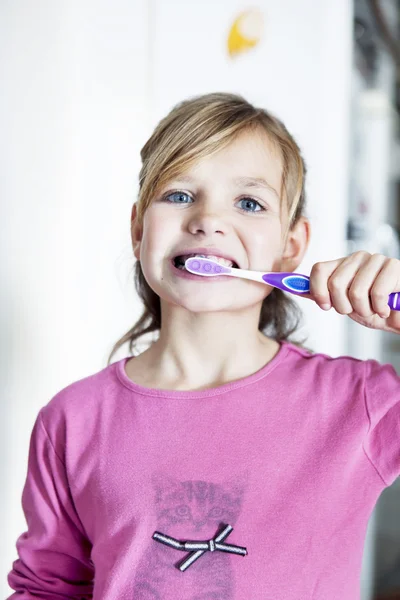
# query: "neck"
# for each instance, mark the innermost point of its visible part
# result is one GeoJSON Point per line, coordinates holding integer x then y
{"type": "Point", "coordinates": [197, 350]}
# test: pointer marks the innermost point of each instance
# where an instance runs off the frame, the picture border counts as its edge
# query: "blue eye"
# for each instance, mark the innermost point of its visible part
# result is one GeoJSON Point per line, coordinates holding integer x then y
{"type": "Point", "coordinates": [254, 201]}
{"type": "Point", "coordinates": [179, 195]}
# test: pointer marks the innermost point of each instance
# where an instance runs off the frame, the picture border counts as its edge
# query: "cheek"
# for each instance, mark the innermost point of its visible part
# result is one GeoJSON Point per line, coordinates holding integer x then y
{"type": "Point", "coordinates": [260, 241]}
{"type": "Point", "coordinates": [155, 236]}
{"type": "Point", "coordinates": [158, 242]}
{"type": "Point", "coordinates": [263, 246]}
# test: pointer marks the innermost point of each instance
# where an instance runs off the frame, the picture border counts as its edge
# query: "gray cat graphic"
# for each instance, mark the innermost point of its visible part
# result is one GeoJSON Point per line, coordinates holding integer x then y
{"type": "Point", "coordinates": [188, 511]}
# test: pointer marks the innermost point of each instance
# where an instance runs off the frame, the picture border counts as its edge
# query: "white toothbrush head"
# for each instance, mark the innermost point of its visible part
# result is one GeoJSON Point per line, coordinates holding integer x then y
{"type": "Point", "coordinates": [206, 267]}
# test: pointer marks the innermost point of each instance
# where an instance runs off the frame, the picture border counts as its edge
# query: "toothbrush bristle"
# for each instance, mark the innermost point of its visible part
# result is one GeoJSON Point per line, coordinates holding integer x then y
{"type": "Point", "coordinates": [205, 266]}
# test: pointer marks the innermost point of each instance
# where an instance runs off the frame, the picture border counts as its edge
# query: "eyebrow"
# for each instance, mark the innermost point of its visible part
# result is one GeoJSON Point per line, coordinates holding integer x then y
{"type": "Point", "coordinates": [249, 182]}
{"type": "Point", "coordinates": [255, 182]}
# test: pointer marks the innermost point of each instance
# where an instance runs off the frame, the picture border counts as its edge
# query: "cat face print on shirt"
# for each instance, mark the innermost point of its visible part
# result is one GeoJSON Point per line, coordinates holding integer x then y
{"type": "Point", "coordinates": [190, 510]}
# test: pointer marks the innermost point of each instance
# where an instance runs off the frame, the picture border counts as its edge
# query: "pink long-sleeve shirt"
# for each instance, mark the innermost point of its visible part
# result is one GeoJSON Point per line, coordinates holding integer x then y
{"type": "Point", "coordinates": [292, 457]}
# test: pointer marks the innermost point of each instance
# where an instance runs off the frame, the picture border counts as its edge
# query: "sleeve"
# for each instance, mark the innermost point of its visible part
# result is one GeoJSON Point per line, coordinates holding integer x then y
{"type": "Point", "coordinates": [54, 553]}
{"type": "Point", "coordinates": [382, 399]}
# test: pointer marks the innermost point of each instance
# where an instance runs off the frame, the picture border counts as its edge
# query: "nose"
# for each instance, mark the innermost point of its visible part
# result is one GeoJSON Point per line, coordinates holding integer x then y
{"type": "Point", "coordinates": [207, 221]}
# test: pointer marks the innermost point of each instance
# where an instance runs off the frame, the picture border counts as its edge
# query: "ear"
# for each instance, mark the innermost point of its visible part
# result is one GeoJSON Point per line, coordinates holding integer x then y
{"type": "Point", "coordinates": [296, 245]}
{"type": "Point", "coordinates": [136, 233]}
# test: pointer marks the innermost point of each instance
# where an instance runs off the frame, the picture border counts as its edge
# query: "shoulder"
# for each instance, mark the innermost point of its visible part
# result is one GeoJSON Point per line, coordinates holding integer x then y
{"type": "Point", "coordinates": [311, 359]}
{"type": "Point", "coordinates": [80, 400]}
{"type": "Point", "coordinates": [344, 370]}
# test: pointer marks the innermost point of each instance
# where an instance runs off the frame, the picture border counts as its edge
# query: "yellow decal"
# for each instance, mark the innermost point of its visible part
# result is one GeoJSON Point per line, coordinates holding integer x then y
{"type": "Point", "coordinates": [245, 32]}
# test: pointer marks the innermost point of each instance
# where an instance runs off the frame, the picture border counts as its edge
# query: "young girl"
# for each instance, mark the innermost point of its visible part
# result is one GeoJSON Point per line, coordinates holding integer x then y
{"type": "Point", "coordinates": [224, 461]}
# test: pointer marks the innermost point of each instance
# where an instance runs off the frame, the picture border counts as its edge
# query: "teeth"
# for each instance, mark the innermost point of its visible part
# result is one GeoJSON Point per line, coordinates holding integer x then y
{"type": "Point", "coordinates": [218, 259]}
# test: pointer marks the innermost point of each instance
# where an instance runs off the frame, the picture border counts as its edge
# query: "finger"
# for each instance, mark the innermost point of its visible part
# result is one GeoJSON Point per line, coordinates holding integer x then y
{"type": "Point", "coordinates": [386, 282]}
{"type": "Point", "coordinates": [360, 291]}
{"type": "Point", "coordinates": [341, 282]}
{"type": "Point", "coordinates": [319, 276]}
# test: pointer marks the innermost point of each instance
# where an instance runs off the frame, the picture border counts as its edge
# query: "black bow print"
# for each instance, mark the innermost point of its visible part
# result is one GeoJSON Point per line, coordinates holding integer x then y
{"type": "Point", "coordinates": [200, 547]}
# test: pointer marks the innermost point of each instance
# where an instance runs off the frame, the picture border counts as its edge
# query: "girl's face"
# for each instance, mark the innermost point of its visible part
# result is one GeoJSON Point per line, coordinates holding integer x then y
{"type": "Point", "coordinates": [228, 203]}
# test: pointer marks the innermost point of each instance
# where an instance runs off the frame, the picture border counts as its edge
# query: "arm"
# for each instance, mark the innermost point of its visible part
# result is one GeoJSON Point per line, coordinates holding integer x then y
{"type": "Point", "coordinates": [54, 553]}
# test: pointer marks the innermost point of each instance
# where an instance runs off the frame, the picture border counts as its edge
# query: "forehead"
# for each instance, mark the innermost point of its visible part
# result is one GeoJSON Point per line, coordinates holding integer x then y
{"type": "Point", "coordinates": [250, 155]}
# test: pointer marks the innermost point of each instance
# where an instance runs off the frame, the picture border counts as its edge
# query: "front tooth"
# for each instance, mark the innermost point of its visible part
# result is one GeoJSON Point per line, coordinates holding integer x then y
{"type": "Point", "coordinates": [222, 261]}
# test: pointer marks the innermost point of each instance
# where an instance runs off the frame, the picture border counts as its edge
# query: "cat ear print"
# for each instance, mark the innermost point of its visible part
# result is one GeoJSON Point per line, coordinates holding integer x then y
{"type": "Point", "coordinates": [163, 480]}
{"type": "Point", "coordinates": [239, 482]}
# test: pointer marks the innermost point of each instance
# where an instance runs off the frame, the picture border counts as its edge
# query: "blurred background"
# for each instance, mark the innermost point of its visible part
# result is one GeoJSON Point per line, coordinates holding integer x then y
{"type": "Point", "coordinates": [82, 86]}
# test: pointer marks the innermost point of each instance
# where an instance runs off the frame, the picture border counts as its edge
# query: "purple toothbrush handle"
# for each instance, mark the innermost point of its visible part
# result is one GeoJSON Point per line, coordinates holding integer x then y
{"type": "Point", "coordinates": [394, 300]}
{"type": "Point", "coordinates": [297, 284]}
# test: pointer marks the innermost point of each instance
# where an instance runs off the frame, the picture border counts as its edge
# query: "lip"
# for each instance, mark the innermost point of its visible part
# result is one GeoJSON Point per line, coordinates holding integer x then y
{"type": "Point", "coordinates": [204, 250]}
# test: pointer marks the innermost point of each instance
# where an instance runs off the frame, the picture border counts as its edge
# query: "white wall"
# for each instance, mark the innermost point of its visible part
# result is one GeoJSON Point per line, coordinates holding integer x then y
{"type": "Point", "coordinates": [83, 85]}
{"type": "Point", "coordinates": [73, 119]}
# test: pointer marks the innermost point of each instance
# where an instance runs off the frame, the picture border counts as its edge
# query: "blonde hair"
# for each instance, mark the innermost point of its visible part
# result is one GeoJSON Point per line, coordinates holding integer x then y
{"type": "Point", "coordinates": [196, 128]}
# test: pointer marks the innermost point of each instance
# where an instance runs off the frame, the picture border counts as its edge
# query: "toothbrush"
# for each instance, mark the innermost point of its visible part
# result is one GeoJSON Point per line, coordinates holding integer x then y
{"type": "Point", "coordinates": [295, 283]}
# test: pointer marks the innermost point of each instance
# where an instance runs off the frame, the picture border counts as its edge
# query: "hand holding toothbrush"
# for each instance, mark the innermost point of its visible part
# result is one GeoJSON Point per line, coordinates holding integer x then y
{"type": "Point", "coordinates": [362, 286]}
